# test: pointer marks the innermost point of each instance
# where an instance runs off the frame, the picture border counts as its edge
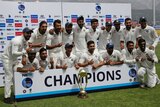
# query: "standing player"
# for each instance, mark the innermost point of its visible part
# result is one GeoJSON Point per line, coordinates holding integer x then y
{"type": "Point", "coordinates": [116, 36]}
{"type": "Point", "coordinates": [39, 36]}
{"type": "Point", "coordinates": [128, 32]}
{"type": "Point", "coordinates": [93, 33]}
{"type": "Point", "coordinates": [148, 33]}
{"type": "Point", "coordinates": [79, 37]}
{"type": "Point", "coordinates": [54, 41]}
{"type": "Point", "coordinates": [16, 48]}
{"type": "Point", "coordinates": [104, 37]}
{"type": "Point", "coordinates": [67, 36]}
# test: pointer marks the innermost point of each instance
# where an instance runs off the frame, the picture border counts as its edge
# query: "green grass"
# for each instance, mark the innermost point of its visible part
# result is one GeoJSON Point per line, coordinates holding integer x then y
{"type": "Point", "coordinates": [130, 97]}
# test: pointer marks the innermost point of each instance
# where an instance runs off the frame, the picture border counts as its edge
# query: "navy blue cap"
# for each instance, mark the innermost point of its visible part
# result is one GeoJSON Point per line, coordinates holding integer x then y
{"type": "Point", "coordinates": [142, 19]}
{"type": "Point", "coordinates": [109, 46]}
{"type": "Point", "coordinates": [26, 29]}
{"type": "Point", "coordinates": [68, 45]}
{"type": "Point", "coordinates": [116, 22]}
{"type": "Point", "coordinates": [109, 23]}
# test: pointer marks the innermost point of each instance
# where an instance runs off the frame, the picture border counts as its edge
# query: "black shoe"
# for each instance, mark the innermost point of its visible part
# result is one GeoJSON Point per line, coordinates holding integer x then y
{"type": "Point", "coordinates": [8, 100]}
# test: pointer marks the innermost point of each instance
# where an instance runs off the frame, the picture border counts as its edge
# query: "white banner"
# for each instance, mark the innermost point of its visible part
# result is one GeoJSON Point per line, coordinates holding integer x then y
{"type": "Point", "coordinates": [57, 81]}
{"type": "Point", "coordinates": [101, 11]}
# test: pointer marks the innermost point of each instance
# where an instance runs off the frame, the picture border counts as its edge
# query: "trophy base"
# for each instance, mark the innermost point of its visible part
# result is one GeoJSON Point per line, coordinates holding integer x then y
{"type": "Point", "coordinates": [82, 95]}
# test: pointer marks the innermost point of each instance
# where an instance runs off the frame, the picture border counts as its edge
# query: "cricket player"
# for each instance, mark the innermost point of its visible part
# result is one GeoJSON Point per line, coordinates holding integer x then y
{"type": "Point", "coordinates": [148, 33]}
{"type": "Point", "coordinates": [91, 57]}
{"type": "Point", "coordinates": [146, 59]}
{"type": "Point", "coordinates": [104, 37]}
{"type": "Point", "coordinates": [16, 48]}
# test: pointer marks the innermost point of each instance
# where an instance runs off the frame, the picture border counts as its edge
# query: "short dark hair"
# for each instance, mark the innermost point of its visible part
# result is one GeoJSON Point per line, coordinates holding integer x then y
{"type": "Point", "coordinates": [42, 49]}
{"type": "Point", "coordinates": [90, 42]}
{"type": "Point", "coordinates": [94, 20]}
{"type": "Point", "coordinates": [141, 40]}
{"type": "Point", "coordinates": [68, 24]}
{"type": "Point", "coordinates": [42, 22]}
{"type": "Point", "coordinates": [56, 21]}
{"type": "Point", "coordinates": [80, 18]}
{"type": "Point", "coordinates": [127, 19]}
{"type": "Point", "coordinates": [129, 43]}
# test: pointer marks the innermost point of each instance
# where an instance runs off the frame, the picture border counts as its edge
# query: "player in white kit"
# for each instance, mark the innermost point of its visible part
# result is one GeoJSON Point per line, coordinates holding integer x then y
{"type": "Point", "coordinates": [16, 48]}
{"type": "Point", "coordinates": [146, 61]}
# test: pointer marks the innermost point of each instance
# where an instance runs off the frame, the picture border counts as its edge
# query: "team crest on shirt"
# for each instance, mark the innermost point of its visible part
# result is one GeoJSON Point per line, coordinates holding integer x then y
{"type": "Point", "coordinates": [147, 31]}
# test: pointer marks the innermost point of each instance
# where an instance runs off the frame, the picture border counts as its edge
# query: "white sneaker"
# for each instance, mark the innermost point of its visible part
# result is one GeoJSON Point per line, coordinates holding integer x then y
{"type": "Point", "coordinates": [142, 85]}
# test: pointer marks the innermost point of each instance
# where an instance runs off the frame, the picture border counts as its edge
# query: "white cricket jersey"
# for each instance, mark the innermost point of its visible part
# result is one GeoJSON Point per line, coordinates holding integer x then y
{"type": "Point", "coordinates": [96, 57]}
{"type": "Point", "coordinates": [116, 56]}
{"type": "Point", "coordinates": [44, 63]}
{"type": "Point", "coordinates": [38, 38]}
{"type": "Point", "coordinates": [104, 38]}
{"type": "Point", "coordinates": [116, 37]}
{"type": "Point", "coordinates": [129, 35]}
{"type": "Point", "coordinates": [146, 63]}
{"type": "Point", "coordinates": [70, 61]}
{"type": "Point", "coordinates": [93, 35]}
{"type": "Point", "coordinates": [79, 38]}
{"type": "Point", "coordinates": [129, 58]}
{"type": "Point", "coordinates": [35, 64]}
{"type": "Point", "coordinates": [53, 40]}
{"type": "Point", "coordinates": [149, 34]}
{"type": "Point", "coordinates": [67, 38]}
{"type": "Point", "coordinates": [15, 48]}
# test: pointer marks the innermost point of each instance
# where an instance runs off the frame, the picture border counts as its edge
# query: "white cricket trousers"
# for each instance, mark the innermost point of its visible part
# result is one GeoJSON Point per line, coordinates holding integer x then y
{"type": "Point", "coordinates": [8, 69]}
{"type": "Point", "coordinates": [151, 76]}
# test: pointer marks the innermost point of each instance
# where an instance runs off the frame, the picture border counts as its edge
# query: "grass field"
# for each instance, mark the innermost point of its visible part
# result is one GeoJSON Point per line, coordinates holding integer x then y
{"type": "Point", "coordinates": [130, 97]}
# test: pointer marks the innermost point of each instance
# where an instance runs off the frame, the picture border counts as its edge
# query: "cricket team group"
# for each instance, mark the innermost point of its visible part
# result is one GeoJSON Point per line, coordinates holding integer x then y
{"type": "Point", "coordinates": [78, 46]}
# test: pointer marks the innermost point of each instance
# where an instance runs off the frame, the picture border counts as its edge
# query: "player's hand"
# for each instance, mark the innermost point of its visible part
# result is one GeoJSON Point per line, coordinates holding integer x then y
{"type": "Point", "coordinates": [76, 66]}
{"type": "Point", "coordinates": [41, 69]}
{"type": "Point", "coordinates": [28, 49]}
{"type": "Point", "coordinates": [59, 44]}
{"type": "Point", "coordinates": [24, 60]}
{"type": "Point", "coordinates": [51, 61]}
{"type": "Point", "coordinates": [42, 44]}
{"type": "Point", "coordinates": [32, 69]}
{"type": "Point", "coordinates": [62, 29]}
{"type": "Point", "coordinates": [94, 66]}
{"type": "Point", "coordinates": [90, 62]}
{"type": "Point", "coordinates": [112, 63]}
{"type": "Point", "coordinates": [64, 66]}
{"type": "Point", "coordinates": [149, 58]}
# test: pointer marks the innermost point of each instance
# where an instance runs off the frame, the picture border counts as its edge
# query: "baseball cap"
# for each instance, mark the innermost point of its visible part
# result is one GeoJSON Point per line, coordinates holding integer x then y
{"type": "Point", "coordinates": [116, 22]}
{"type": "Point", "coordinates": [68, 45]}
{"type": "Point", "coordinates": [142, 19]}
{"type": "Point", "coordinates": [108, 23]}
{"type": "Point", "coordinates": [26, 29]}
{"type": "Point", "coordinates": [110, 46]}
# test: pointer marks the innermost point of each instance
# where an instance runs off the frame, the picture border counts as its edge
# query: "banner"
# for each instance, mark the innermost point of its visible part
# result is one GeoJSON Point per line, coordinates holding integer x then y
{"type": "Point", "coordinates": [58, 81]}
{"type": "Point", "coordinates": [101, 11]}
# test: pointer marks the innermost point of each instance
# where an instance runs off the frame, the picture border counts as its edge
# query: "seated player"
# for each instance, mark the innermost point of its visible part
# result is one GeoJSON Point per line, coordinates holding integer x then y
{"type": "Point", "coordinates": [91, 57]}
{"type": "Point", "coordinates": [112, 56]}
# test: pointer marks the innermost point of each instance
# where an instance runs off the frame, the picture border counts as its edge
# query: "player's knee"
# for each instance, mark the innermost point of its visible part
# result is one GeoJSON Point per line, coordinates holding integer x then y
{"type": "Point", "coordinates": [151, 85]}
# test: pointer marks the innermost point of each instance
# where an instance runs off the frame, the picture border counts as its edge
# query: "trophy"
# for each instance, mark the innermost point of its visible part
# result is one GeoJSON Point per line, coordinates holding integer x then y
{"type": "Point", "coordinates": [82, 94]}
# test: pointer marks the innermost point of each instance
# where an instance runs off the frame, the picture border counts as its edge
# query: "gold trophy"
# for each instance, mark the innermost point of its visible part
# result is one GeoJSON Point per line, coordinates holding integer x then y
{"type": "Point", "coordinates": [82, 94]}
